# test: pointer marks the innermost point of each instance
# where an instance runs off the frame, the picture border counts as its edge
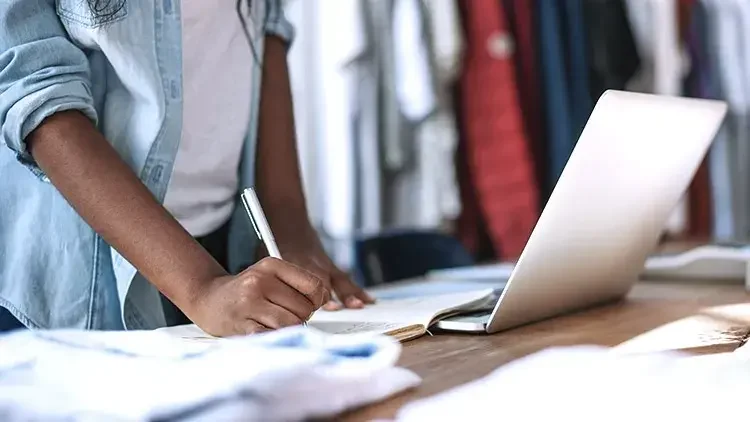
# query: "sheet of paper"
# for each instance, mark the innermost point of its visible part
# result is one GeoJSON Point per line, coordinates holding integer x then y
{"type": "Point", "coordinates": [393, 313]}
{"type": "Point", "coordinates": [333, 327]}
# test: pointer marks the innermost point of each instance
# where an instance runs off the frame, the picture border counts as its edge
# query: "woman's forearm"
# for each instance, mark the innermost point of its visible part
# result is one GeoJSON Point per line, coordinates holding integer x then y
{"type": "Point", "coordinates": [278, 179]}
{"type": "Point", "coordinates": [106, 193]}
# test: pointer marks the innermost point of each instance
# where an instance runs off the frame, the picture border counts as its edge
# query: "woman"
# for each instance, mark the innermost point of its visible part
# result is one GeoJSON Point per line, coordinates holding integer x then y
{"type": "Point", "coordinates": [131, 126]}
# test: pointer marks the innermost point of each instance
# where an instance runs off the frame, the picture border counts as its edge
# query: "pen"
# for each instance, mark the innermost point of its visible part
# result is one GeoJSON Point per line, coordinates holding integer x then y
{"type": "Point", "coordinates": [260, 224]}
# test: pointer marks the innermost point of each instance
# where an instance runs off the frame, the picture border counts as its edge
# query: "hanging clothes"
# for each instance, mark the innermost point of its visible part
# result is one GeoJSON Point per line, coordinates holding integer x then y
{"type": "Point", "coordinates": [577, 62]}
{"type": "Point", "coordinates": [742, 180]}
{"type": "Point", "coordinates": [565, 79]}
{"type": "Point", "coordinates": [375, 122]}
{"type": "Point", "coordinates": [559, 124]}
{"type": "Point", "coordinates": [703, 81]}
{"type": "Point", "coordinates": [324, 87]}
{"type": "Point", "coordinates": [424, 194]}
{"type": "Point", "coordinates": [520, 15]}
{"type": "Point", "coordinates": [729, 154]}
{"type": "Point", "coordinates": [612, 51]}
{"type": "Point", "coordinates": [699, 192]}
{"type": "Point", "coordinates": [367, 131]}
{"type": "Point", "coordinates": [497, 147]}
{"type": "Point", "coordinates": [306, 113]}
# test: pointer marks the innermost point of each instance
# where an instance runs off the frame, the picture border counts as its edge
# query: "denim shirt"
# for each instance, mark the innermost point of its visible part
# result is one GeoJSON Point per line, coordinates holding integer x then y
{"type": "Point", "coordinates": [123, 71]}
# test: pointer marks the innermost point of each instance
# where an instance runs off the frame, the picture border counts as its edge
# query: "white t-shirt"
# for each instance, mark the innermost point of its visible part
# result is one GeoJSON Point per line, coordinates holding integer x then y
{"type": "Point", "coordinates": [217, 78]}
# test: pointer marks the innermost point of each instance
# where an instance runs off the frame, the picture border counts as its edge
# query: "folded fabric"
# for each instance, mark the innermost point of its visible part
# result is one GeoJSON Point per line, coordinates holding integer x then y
{"type": "Point", "coordinates": [597, 384]}
{"type": "Point", "coordinates": [291, 374]}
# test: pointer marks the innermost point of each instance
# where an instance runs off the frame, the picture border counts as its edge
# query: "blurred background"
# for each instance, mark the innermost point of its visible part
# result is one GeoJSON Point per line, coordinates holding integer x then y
{"type": "Point", "coordinates": [456, 117]}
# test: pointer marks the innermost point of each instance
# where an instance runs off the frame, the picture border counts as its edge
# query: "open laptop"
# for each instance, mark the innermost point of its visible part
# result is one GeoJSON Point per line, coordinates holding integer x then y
{"type": "Point", "coordinates": [633, 162]}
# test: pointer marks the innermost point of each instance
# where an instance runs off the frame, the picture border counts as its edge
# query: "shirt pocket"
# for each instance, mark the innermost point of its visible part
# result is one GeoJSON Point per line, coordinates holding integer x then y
{"type": "Point", "coordinates": [94, 15]}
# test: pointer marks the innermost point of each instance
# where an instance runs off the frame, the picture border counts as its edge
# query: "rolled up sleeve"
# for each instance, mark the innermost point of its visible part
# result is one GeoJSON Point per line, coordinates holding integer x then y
{"type": "Point", "coordinates": [277, 23]}
{"type": "Point", "coordinates": [41, 73]}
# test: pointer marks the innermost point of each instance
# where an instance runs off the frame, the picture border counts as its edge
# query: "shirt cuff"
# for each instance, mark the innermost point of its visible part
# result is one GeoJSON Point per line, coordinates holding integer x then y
{"type": "Point", "coordinates": [277, 23]}
{"type": "Point", "coordinates": [28, 113]}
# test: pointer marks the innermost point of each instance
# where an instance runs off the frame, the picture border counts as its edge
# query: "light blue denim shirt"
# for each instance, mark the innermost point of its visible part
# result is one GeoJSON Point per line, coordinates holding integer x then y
{"type": "Point", "coordinates": [124, 72]}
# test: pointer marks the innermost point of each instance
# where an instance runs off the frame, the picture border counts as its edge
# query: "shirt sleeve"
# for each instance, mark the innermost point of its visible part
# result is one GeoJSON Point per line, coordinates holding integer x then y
{"type": "Point", "coordinates": [277, 23]}
{"type": "Point", "coordinates": [41, 73]}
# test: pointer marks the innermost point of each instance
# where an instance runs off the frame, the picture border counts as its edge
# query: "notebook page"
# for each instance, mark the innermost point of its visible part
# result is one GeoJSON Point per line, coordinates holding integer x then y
{"type": "Point", "coordinates": [386, 315]}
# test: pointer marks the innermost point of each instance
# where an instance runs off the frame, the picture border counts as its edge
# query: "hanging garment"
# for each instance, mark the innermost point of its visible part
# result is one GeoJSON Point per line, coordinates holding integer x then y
{"type": "Point", "coordinates": [559, 120]}
{"type": "Point", "coordinates": [324, 80]}
{"type": "Point", "coordinates": [740, 15]}
{"type": "Point", "coordinates": [654, 24]}
{"type": "Point", "coordinates": [742, 179]}
{"type": "Point", "coordinates": [447, 49]}
{"type": "Point", "coordinates": [303, 80]}
{"type": "Point", "coordinates": [613, 57]}
{"type": "Point", "coordinates": [725, 26]}
{"type": "Point", "coordinates": [520, 15]}
{"type": "Point", "coordinates": [368, 171]}
{"type": "Point", "coordinates": [699, 192]}
{"type": "Point", "coordinates": [424, 193]}
{"type": "Point", "coordinates": [577, 64]}
{"type": "Point", "coordinates": [703, 82]}
{"type": "Point", "coordinates": [446, 36]}
{"type": "Point", "coordinates": [396, 145]}
{"type": "Point", "coordinates": [498, 150]}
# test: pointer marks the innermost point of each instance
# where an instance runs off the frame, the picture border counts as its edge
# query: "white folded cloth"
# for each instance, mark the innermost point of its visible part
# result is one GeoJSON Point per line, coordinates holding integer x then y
{"type": "Point", "coordinates": [291, 374]}
{"type": "Point", "coordinates": [589, 383]}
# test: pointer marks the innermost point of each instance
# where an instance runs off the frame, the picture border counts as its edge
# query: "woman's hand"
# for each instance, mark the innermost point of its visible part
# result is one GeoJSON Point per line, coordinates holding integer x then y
{"type": "Point", "coordinates": [307, 252]}
{"type": "Point", "coordinates": [269, 295]}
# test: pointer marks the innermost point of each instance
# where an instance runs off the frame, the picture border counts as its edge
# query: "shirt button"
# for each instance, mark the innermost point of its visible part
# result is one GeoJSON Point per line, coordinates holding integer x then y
{"type": "Point", "coordinates": [500, 45]}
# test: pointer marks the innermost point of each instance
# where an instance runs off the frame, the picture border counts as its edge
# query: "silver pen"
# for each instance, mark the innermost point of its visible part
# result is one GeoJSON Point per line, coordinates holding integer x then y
{"type": "Point", "coordinates": [260, 223]}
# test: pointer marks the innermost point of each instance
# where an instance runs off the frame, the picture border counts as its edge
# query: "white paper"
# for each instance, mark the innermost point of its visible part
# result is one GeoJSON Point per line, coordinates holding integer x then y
{"type": "Point", "coordinates": [393, 313]}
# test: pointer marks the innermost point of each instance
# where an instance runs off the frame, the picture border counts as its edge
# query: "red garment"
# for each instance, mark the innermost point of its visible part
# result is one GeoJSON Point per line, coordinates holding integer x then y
{"type": "Point", "coordinates": [520, 15]}
{"type": "Point", "coordinates": [497, 148]}
{"type": "Point", "coordinates": [700, 204]}
{"type": "Point", "coordinates": [699, 193]}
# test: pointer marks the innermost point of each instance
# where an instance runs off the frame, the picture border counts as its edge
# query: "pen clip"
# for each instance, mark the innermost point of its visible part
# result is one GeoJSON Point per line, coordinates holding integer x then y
{"type": "Point", "coordinates": [250, 215]}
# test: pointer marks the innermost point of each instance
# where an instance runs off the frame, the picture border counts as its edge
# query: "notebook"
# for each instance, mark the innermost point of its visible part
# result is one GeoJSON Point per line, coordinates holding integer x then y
{"type": "Point", "coordinates": [404, 318]}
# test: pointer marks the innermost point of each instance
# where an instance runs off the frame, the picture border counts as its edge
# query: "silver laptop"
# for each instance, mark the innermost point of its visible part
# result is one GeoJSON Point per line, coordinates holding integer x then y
{"type": "Point", "coordinates": [633, 162]}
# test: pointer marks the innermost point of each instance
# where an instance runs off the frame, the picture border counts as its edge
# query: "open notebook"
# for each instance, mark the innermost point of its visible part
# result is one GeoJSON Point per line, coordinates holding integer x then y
{"type": "Point", "coordinates": [404, 319]}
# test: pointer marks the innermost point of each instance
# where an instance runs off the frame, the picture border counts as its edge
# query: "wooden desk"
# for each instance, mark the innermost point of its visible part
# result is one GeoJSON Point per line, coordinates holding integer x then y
{"type": "Point", "coordinates": [693, 317]}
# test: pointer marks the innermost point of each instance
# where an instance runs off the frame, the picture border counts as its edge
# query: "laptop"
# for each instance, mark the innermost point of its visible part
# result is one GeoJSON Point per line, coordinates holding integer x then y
{"type": "Point", "coordinates": [632, 164]}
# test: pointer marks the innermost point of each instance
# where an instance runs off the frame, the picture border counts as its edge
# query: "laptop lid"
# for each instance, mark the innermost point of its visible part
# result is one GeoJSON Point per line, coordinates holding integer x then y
{"type": "Point", "coordinates": [633, 162]}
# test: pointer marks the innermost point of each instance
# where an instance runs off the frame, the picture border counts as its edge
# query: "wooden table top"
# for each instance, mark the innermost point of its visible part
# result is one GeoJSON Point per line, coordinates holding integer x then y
{"type": "Point", "coordinates": [693, 317]}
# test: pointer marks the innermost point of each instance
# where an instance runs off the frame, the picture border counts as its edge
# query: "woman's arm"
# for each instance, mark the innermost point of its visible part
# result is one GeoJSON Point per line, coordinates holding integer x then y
{"type": "Point", "coordinates": [106, 193]}
{"type": "Point", "coordinates": [279, 183]}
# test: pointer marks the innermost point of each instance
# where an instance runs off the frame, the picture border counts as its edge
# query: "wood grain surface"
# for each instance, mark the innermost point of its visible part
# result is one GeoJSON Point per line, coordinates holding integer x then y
{"type": "Point", "coordinates": [695, 317]}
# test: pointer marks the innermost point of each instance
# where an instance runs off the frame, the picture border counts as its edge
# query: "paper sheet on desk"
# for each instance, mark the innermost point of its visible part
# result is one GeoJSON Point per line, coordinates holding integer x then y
{"type": "Point", "coordinates": [593, 384]}
{"type": "Point", "coordinates": [386, 315]}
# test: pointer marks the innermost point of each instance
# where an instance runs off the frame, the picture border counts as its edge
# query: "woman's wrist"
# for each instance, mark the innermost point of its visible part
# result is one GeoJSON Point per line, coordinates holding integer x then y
{"type": "Point", "coordinates": [290, 223]}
